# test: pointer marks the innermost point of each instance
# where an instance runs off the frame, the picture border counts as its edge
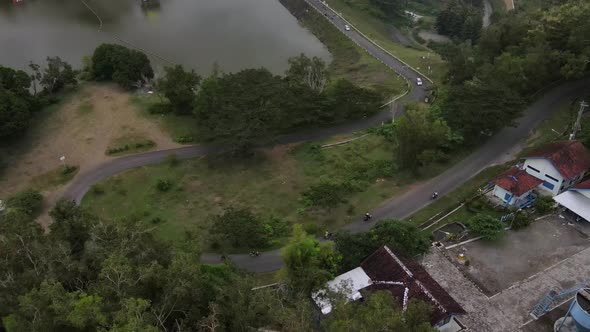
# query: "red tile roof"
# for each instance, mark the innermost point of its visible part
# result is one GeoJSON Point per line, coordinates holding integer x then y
{"type": "Point", "coordinates": [405, 279]}
{"type": "Point", "coordinates": [517, 181]}
{"type": "Point", "coordinates": [582, 185]}
{"type": "Point", "coordinates": [569, 157]}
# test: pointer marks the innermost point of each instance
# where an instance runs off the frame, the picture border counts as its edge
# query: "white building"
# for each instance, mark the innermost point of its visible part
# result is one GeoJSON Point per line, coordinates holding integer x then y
{"type": "Point", "coordinates": [514, 187]}
{"type": "Point", "coordinates": [577, 200]}
{"type": "Point", "coordinates": [558, 165]}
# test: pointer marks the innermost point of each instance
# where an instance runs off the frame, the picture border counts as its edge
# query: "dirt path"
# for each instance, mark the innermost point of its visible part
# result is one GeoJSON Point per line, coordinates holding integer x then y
{"type": "Point", "coordinates": [81, 130]}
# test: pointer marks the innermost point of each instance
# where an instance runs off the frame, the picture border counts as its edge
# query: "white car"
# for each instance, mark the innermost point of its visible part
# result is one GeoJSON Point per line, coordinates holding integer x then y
{"type": "Point", "coordinates": [419, 81]}
{"type": "Point", "coordinates": [347, 27]}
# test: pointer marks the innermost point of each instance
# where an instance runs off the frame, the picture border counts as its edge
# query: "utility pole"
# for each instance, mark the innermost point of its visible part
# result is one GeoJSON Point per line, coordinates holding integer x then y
{"type": "Point", "coordinates": [577, 125]}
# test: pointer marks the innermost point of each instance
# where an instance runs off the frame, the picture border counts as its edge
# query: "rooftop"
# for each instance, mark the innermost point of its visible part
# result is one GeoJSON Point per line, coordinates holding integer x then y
{"type": "Point", "coordinates": [582, 185]}
{"type": "Point", "coordinates": [517, 181]}
{"type": "Point", "coordinates": [569, 157]}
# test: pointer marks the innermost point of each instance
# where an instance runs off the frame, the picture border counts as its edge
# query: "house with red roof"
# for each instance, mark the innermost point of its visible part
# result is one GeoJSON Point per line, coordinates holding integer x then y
{"type": "Point", "coordinates": [515, 187]}
{"type": "Point", "coordinates": [577, 200]}
{"type": "Point", "coordinates": [558, 165]}
{"type": "Point", "coordinates": [403, 278]}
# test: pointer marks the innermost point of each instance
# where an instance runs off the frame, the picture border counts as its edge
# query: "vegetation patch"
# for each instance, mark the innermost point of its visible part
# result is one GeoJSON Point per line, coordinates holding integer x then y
{"type": "Point", "coordinates": [54, 178]}
{"type": "Point", "coordinates": [129, 144]}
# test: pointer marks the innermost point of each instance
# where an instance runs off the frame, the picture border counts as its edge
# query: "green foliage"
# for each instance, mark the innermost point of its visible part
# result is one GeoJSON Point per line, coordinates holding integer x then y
{"type": "Point", "coordinates": [461, 20]}
{"type": "Point", "coordinates": [28, 201]}
{"type": "Point", "coordinates": [490, 228]}
{"type": "Point", "coordinates": [420, 136]}
{"type": "Point", "coordinates": [145, 144]}
{"type": "Point", "coordinates": [172, 160]}
{"type": "Point", "coordinates": [242, 229]}
{"type": "Point", "coordinates": [16, 103]}
{"type": "Point", "coordinates": [252, 106]}
{"type": "Point", "coordinates": [325, 194]}
{"type": "Point", "coordinates": [57, 75]}
{"type": "Point", "coordinates": [124, 66]}
{"type": "Point", "coordinates": [521, 220]}
{"type": "Point", "coordinates": [308, 264]}
{"type": "Point", "coordinates": [379, 312]}
{"type": "Point", "coordinates": [163, 185]}
{"type": "Point", "coordinates": [544, 204]}
{"type": "Point", "coordinates": [180, 88]}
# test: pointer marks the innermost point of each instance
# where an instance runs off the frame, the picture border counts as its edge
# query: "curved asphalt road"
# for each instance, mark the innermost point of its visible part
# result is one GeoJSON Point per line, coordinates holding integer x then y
{"type": "Point", "coordinates": [499, 148]}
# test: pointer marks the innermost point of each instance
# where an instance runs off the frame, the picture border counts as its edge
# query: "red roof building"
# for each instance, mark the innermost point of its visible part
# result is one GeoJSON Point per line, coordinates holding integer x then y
{"type": "Point", "coordinates": [405, 279]}
{"type": "Point", "coordinates": [517, 181]}
{"type": "Point", "coordinates": [582, 186]}
{"type": "Point", "coordinates": [570, 158]}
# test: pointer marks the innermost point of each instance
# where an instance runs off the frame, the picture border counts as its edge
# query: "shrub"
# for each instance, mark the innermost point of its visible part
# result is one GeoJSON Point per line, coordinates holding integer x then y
{"type": "Point", "coordinates": [241, 228]}
{"type": "Point", "coordinates": [28, 201]}
{"type": "Point", "coordinates": [325, 194]}
{"type": "Point", "coordinates": [97, 189]}
{"type": "Point", "coordinates": [172, 160]}
{"type": "Point", "coordinates": [163, 185]}
{"type": "Point", "coordinates": [69, 169]}
{"type": "Point", "coordinates": [488, 227]}
{"type": "Point", "coordinates": [521, 220]}
{"type": "Point", "coordinates": [311, 228]}
{"type": "Point", "coordinates": [184, 139]}
{"type": "Point", "coordinates": [544, 204]}
{"type": "Point", "coordinates": [156, 220]}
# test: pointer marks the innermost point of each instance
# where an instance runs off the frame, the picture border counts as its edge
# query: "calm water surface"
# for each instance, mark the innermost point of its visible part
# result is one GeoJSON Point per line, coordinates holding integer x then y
{"type": "Point", "coordinates": [235, 34]}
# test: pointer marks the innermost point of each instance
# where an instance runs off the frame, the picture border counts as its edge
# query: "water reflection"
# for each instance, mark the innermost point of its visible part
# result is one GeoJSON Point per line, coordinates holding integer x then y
{"type": "Point", "coordinates": [234, 33]}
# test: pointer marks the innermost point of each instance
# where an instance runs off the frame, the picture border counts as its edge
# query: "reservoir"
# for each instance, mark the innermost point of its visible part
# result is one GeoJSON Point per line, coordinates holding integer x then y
{"type": "Point", "coordinates": [234, 34]}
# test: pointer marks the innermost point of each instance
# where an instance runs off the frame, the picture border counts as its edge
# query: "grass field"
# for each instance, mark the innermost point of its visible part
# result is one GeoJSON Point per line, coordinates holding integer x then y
{"type": "Point", "coordinates": [365, 18]}
{"type": "Point", "coordinates": [270, 185]}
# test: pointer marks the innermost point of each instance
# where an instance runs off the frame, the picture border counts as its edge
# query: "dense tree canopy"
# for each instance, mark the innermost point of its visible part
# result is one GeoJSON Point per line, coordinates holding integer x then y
{"type": "Point", "coordinates": [252, 106]}
{"type": "Point", "coordinates": [460, 19]}
{"type": "Point", "coordinates": [16, 102]}
{"type": "Point", "coordinates": [180, 87]}
{"type": "Point", "coordinates": [124, 66]}
{"type": "Point", "coordinates": [525, 51]}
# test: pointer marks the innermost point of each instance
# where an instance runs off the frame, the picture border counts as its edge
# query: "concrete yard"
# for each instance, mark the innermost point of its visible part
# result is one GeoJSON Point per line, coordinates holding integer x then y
{"type": "Point", "coordinates": [495, 266]}
{"type": "Point", "coordinates": [550, 241]}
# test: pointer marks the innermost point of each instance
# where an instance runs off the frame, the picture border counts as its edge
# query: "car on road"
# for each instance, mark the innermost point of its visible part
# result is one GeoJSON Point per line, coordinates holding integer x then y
{"type": "Point", "coordinates": [347, 27]}
{"type": "Point", "coordinates": [418, 81]}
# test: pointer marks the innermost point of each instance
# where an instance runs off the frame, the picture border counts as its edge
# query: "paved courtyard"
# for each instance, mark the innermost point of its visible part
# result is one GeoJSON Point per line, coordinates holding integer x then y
{"type": "Point", "coordinates": [497, 265]}
{"type": "Point", "coordinates": [508, 310]}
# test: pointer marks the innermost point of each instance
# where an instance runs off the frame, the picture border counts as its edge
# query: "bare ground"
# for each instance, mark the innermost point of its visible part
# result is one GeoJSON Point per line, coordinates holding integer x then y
{"type": "Point", "coordinates": [81, 130]}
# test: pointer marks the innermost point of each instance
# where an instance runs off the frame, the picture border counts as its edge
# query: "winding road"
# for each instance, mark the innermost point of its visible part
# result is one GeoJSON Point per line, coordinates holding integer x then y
{"type": "Point", "coordinates": [499, 148]}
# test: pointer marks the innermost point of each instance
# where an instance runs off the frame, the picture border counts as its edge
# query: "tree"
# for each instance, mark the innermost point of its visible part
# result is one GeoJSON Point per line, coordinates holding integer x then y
{"type": "Point", "coordinates": [475, 108]}
{"type": "Point", "coordinates": [57, 75]}
{"type": "Point", "coordinates": [400, 235]}
{"type": "Point", "coordinates": [241, 228]}
{"type": "Point", "coordinates": [308, 264]}
{"type": "Point", "coordinates": [418, 134]}
{"type": "Point", "coordinates": [180, 87]}
{"type": "Point", "coordinates": [29, 201]}
{"type": "Point", "coordinates": [241, 109]}
{"type": "Point", "coordinates": [122, 65]}
{"type": "Point", "coordinates": [72, 224]}
{"type": "Point", "coordinates": [310, 72]}
{"type": "Point", "coordinates": [379, 312]}
{"type": "Point", "coordinates": [461, 20]}
{"type": "Point", "coordinates": [353, 248]}
{"type": "Point", "coordinates": [15, 114]}
{"type": "Point", "coordinates": [345, 100]}
{"type": "Point", "coordinates": [35, 75]}
{"type": "Point", "coordinates": [544, 204]}
{"type": "Point", "coordinates": [488, 227]}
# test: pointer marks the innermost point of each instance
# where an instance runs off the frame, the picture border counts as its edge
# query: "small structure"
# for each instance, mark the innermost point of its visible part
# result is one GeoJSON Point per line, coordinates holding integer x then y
{"type": "Point", "coordinates": [559, 165]}
{"type": "Point", "coordinates": [577, 318]}
{"type": "Point", "coordinates": [404, 278]}
{"type": "Point", "coordinates": [577, 200]}
{"type": "Point", "coordinates": [515, 186]}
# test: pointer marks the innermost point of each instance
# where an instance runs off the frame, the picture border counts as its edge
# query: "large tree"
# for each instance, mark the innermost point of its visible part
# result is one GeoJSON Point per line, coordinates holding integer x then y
{"type": "Point", "coordinates": [124, 66]}
{"type": "Point", "coordinates": [308, 263]}
{"type": "Point", "coordinates": [420, 135]}
{"type": "Point", "coordinates": [57, 75]}
{"type": "Point", "coordinates": [180, 87]}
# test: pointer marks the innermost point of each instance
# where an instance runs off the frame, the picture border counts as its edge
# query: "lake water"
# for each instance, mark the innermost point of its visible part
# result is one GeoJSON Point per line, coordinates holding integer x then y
{"type": "Point", "coordinates": [235, 34]}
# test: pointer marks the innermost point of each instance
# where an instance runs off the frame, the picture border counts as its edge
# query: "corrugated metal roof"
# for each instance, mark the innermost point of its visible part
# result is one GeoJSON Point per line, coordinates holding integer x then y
{"type": "Point", "coordinates": [576, 202]}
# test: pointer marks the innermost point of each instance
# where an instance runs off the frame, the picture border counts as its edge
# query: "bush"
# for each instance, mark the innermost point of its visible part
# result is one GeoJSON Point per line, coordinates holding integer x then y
{"type": "Point", "coordinates": [28, 201]}
{"type": "Point", "coordinates": [488, 227]}
{"type": "Point", "coordinates": [156, 220]}
{"type": "Point", "coordinates": [121, 65]}
{"type": "Point", "coordinates": [69, 169]}
{"type": "Point", "coordinates": [241, 228]}
{"type": "Point", "coordinates": [97, 189]}
{"type": "Point", "coordinates": [311, 228]}
{"type": "Point", "coordinates": [172, 160]}
{"type": "Point", "coordinates": [184, 139]}
{"type": "Point", "coordinates": [521, 220]}
{"type": "Point", "coordinates": [544, 204]}
{"type": "Point", "coordinates": [164, 185]}
{"type": "Point", "coordinates": [325, 194]}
